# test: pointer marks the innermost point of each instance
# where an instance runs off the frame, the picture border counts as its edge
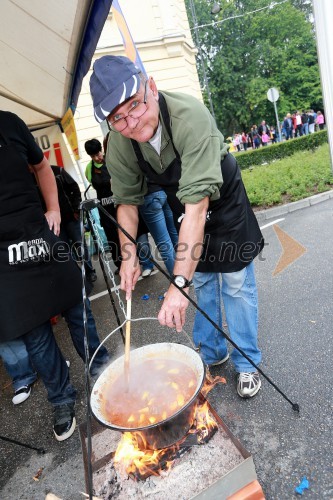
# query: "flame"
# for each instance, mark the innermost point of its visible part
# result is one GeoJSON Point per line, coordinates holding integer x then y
{"type": "Point", "coordinates": [133, 456]}
{"type": "Point", "coordinates": [205, 423]}
{"type": "Point", "coordinates": [210, 383]}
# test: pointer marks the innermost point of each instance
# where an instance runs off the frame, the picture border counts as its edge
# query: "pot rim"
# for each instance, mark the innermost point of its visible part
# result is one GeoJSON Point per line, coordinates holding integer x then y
{"type": "Point", "coordinates": [103, 421]}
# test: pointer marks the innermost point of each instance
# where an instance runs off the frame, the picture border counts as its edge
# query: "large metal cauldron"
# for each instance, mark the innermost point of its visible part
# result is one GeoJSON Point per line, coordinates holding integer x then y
{"type": "Point", "coordinates": [166, 432]}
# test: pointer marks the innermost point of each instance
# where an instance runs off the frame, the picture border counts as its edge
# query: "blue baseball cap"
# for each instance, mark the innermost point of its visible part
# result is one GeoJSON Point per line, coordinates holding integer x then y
{"type": "Point", "coordinates": [114, 79]}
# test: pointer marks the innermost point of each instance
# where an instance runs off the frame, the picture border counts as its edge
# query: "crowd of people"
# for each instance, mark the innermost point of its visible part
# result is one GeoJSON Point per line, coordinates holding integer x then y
{"type": "Point", "coordinates": [293, 125]}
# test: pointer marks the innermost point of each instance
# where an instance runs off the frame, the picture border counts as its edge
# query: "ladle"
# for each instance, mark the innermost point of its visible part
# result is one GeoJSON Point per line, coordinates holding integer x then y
{"type": "Point", "coordinates": [128, 342]}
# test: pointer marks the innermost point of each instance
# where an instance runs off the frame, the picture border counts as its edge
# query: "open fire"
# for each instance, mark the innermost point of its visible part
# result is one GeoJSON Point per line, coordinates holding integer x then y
{"type": "Point", "coordinates": [134, 456]}
{"type": "Point", "coordinates": [222, 466]}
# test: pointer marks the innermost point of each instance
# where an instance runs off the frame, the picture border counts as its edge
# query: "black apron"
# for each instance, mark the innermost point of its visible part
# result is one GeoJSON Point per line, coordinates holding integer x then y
{"type": "Point", "coordinates": [102, 184]}
{"type": "Point", "coordinates": [37, 280]}
{"type": "Point", "coordinates": [232, 234]}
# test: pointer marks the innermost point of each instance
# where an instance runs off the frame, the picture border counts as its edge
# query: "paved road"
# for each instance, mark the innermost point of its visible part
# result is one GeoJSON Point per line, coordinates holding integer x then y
{"type": "Point", "coordinates": [296, 340]}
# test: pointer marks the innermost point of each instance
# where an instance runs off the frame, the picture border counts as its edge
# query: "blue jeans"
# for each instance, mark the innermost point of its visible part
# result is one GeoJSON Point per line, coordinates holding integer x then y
{"type": "Point", "coordinates": [144, 252]}
{"type": "Point", "coordinates": [305, 128]}
{"type": "Point", "coordinates": [50, 364]}
{"type": "Point", "coordinates": [239, 293]}
{"type": "Point", "coordinates": [159, 218]}
{"type": "Point", "coordinates": [16, 360]}
{"type": "Point", "coordinates": [74, 320]}
{"type": "Point", "coordinates": [289, 134]}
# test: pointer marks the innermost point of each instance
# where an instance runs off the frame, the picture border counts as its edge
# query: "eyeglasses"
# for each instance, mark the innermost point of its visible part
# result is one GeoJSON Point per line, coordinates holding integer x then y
{"type": "Point", "coordinates": [118, 122]}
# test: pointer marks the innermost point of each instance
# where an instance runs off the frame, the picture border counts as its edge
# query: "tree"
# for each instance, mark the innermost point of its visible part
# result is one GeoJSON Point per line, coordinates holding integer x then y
{"type": "Point", "coordinates": [246, 54]}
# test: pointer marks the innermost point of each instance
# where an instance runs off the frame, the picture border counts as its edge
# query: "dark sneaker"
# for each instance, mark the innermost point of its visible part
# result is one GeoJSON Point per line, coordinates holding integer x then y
{"type": "Point", "coordinates": [92, 277]}
{"type": "Point", "coordinates": [21, 394]}
{"type": "Point", "coordinates": [64, 421]}
{"type": "Point", "coordinates": [223, 360]}
{"type": "Point", "coordinates": [248, 384]}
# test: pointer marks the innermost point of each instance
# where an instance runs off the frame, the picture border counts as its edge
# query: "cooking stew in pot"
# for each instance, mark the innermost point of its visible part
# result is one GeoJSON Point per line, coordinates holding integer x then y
{"type": "Point", "coordinates": [158, 388]}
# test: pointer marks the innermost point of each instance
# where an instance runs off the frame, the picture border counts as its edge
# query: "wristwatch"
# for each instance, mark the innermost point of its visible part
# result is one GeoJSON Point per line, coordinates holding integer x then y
{"type": "Point", "coordinates": [181, 281]}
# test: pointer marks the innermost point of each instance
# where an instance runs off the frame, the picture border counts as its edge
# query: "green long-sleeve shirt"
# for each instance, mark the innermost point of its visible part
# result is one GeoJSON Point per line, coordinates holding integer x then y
{"type": "Point", "coordinates": [196, 138]}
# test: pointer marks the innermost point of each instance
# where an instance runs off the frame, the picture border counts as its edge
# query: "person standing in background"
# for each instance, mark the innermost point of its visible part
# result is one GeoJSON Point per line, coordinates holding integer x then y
{"type": "Point", "coordinates": [98, 175]}
{"type": "Point", "coordinates": [299, 126]}
{"type": "Point", "coordinates": [311, 121]}
{"type": "Point", "coordinates": [37, 280]}
{"type": "Point", "coordinates": [69, 195]}
{"type": "Point", "coordinates": [288, 126]}
{"type": "Point", "coordinates": [305, 123]}
{"type": "Point", "coordinates": [320, 120]}
{"type": "Point", "coordinates": [244, 140]}
{"type": "Point", "coordinates": [265, 138]}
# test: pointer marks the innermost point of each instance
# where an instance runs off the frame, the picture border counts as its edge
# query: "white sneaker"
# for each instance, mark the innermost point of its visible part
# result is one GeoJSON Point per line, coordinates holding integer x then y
{"type": "Point", "coordinates": [21, 394]}
{"type": "Point", "coordinates": [146, 273]}
{"type": "Point", "coordinates": [248, 384]}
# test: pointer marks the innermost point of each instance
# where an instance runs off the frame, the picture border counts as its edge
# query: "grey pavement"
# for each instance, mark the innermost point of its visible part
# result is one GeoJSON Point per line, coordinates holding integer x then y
{"type": "Point", "coordinates": [295, 335]}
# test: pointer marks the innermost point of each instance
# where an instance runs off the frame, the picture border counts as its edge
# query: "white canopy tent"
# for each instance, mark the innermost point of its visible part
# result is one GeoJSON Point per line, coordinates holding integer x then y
{"type": "Point", "coordinates": [45, 49]}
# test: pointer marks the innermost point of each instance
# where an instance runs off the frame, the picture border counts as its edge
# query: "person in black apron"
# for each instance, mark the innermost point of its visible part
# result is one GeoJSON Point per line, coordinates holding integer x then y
{"type": "Point", "coordinates": [218, 233]}
{"type": "Point", "coordinates": [98, 175]}
{"type": "Point", "coordinates": [70, 234]}
{"type": "Point", "coordinates": [36, 282]}
{"type": "Point", "coordinates": [69, 195]}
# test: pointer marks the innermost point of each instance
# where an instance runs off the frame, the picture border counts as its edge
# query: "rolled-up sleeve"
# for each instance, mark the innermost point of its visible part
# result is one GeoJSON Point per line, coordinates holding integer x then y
{"type": "Point", "coordinates": [201, 148]}
{"type": "Point", "coordinates": [201, 172]}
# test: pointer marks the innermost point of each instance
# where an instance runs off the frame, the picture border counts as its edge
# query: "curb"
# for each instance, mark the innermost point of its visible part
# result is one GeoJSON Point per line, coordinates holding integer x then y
{"type": "Point", "coordinates": [270, 213]}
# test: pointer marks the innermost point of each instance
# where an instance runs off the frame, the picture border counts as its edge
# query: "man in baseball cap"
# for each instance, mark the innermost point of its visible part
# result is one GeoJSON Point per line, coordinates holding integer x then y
{"type": "Point", "coordinates": [171, 140]}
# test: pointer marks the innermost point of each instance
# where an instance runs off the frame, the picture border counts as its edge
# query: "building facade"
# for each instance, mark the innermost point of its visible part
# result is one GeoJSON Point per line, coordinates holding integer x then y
{"type": "Point", "coordinates": [160, 30]}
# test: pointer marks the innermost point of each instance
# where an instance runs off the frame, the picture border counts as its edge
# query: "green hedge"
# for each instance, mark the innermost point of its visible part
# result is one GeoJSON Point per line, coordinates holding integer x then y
{"type": "Point", "coordinates": [278, 151]}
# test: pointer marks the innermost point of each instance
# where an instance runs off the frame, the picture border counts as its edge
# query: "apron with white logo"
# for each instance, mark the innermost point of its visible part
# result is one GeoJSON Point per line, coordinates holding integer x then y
{"type": "Point", "coordinates": [232, 235]}
{"type": "Point", "coordinates": [38, 279]}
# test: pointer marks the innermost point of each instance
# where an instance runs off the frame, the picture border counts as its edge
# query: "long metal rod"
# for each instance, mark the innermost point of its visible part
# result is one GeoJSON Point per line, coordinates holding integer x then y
{"type": "Point", "coordinates": [295, 406]}
{"type": "Point", "coordinates": [41, 451]}
{"type": "Point", "coordinates": [86, 364]}
{"type": "Point", "coordinates": [101, 263]}
{"type": "Point", "coordinates": [28, 105]}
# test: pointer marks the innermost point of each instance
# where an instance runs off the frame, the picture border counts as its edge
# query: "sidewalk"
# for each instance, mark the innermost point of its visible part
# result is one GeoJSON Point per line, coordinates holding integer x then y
{"type": "Point", "coordinates": [279, 210]}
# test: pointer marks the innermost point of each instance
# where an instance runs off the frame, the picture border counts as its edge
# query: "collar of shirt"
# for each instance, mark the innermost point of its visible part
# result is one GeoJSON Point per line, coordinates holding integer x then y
{"type": "Point", "coordinates": [155, 141]}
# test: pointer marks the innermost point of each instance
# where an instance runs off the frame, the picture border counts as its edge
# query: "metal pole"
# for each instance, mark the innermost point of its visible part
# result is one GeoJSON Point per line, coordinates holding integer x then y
{"type": "Point", "coordinates": [323, 14]}
{"type": "Point", "coordinates": [277, 120]}
{"type": "Point", "coordinates": [276, 116]}
{"type": "Point", "coordinates": [195, 27]}
{"type": "Point", "coordinates": [82, 174]}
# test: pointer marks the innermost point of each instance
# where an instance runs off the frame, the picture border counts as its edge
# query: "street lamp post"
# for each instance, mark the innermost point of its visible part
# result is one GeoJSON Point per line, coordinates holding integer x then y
{"type": "Point", "coordinates": [195, 28]}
